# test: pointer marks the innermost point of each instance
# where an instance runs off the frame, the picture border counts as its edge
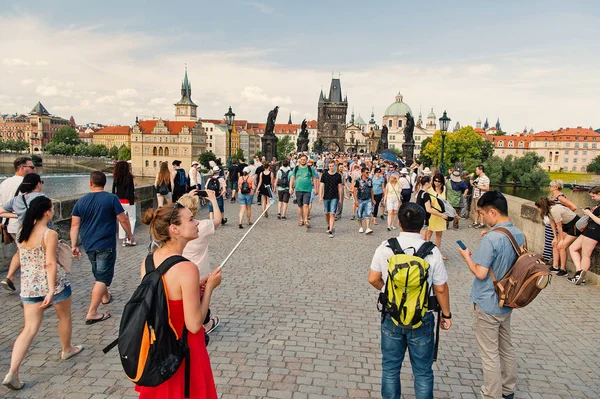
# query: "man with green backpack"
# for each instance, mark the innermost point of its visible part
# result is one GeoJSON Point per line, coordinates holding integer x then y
{"type": "Point", "coordinates": [412, 278]}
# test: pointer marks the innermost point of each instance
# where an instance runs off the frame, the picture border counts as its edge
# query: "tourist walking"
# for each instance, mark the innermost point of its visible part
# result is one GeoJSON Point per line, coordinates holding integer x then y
{"type": "Point", "coordinates": [179, 180]}
{"type": "Point", "coordinates": [8, 190]}
{"type": "Point", "coordinates": [124, 188]}
{"type": "Point", "coordinates": [551, 252]}
{"type": "Point", "coordinates": [96, 215]}
{"type": "Point", "coordinates": [197, 250]}
{"type": "Point", "coordinates": [303, 179]}
{"type": "Point", "coordinates": [393, 200]}
{"type": "Point", "coordinates": [480, 185]}
{"type": "Point", "coordinates": [264, 187]}
{"type": "Point", "coordinates": [330, 193]}
{"type": "Point", "coordinates": [217, 184]}
{"type": "Point", "coordinates": [30, 188]}
{"type": "Point", "coordinates": [457, 192]}
{"type": "Point", "coordinates": [364, 200]}
{"type": "Point", "coordinates": [581, 250]}
{"type": "Point", "coordinates": [193, 176]}
{"type": "Point", "coordinates": [164, 185]}
{"type": "Point", "coordinates": [419, 339]}
{"type": "Point", "coordinates": [437, 221]}
{"type": "Point", "coordinates": [43, 283]}
{"type": "Point", "coordinates": [260, 167]}
{"type": "Point", "coordinates": [406, 184]}
{"type": "Point", "coordinates": [562, 224]}
{"type": "Point", "coordinates": [233, 174]}
{"type": "Point", "coordinates": [246, 195]}
{"type": "Point", "coordinates": [378, 190]}
{"type": "Point", "coordinates": [491, 323]}
{"type": "Point", "coordinates": [282, 181]}
{"type": "Point", "coordinates": [173, 227]}
{"type": "Point", "coordinates": [465, 203]}
{"type": "Point", "coordinates": [343, 172]}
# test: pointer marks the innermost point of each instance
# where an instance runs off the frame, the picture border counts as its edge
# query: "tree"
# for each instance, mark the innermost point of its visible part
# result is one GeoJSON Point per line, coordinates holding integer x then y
{"type": "Point", "coordinates": [113, 152]}
{"type": "Point", "coordinates": [464, 146]}
{"type": "Point", "coordinates": [524, 171]}
{"type": "Point", "coordinates": [284, 147]}
{"type": "Point", "coordinates": [594, 167]}
{"type": "Point", "coordinates": [423, 157]}
{"type": "Point", "coordinates": [205, 158]}
{"type": "Point", "coordinates": [258, 154]}
{"type": "Point", "coordinates": [66, 135]}
{"type": "Point", "coordinates": [318, 146]}
{"type": "Point", "coordinates": [124, 153]}
{"type": "Point", "coordinates": [238, 154]}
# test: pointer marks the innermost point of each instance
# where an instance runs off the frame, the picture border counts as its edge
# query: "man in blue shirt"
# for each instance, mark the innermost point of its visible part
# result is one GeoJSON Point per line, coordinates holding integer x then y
{"type": "Point", "coordinates": [491, 323]}
{"type": "Point", "coordinates": [96, 215]}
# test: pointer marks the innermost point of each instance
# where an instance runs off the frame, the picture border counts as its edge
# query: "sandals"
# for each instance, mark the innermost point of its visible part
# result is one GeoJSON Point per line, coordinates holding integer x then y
{"type": "Point", "coordinates": [68, 355]}
{"type": "Point", "coordinates": [110, 299]}
{"type": "Point", "coordinates": [212, 323]}
{"type": "Point", "coordinates": [105, 316]}
{"type": "Point", "coordinates": [300, 223]}
{"type": "Point", "coordinates": [307, 224]}
{"type": "Point", "coordinates": [12, 383]}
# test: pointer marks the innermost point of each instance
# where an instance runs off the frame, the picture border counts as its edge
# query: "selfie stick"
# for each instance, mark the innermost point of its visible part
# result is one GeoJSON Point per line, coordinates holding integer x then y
{"type": "Point", "coordinates": [271, 202]}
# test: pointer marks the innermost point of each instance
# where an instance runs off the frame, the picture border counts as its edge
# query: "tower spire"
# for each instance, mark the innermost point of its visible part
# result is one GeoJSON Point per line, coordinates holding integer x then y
{"type": "Point", "coordinates": [290, 120]}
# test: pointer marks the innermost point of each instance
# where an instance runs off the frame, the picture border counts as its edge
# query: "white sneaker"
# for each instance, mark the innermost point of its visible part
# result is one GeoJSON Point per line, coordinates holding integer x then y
{"type": "Point", "coordinates": [368, 231]}
{"type": "Point", "coordinates": [393, 227]}
{"type": "Point", "coordinates": [361, 230]}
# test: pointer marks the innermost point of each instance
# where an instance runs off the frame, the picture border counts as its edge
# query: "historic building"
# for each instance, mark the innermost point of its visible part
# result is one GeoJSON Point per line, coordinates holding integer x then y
{"type": "Point", "coordinates": [331, 118]}
{"type": "Point", "coordinates": [394, 118]}
{"type": "Point", "coordinates": [37, 127]}
{"type": "Point", "coordinates": [110, 136]}
{"type": "Point", "coordinates": [156, 140]}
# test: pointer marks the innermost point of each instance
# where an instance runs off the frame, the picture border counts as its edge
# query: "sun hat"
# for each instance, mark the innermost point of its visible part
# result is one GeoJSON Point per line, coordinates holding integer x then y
{"type": "Point", "coordinates": [455, 177]}
{"type": "Point", "coordinates": [216, 169]}
{"type": "Point", "coordinates": [246, 170]}
{"type": "Point", "coordinates": [404, 171]}
{"type": "Point", "coordinates": [195, 163]}
{"type": "Point", "coordinates": [426, 171]}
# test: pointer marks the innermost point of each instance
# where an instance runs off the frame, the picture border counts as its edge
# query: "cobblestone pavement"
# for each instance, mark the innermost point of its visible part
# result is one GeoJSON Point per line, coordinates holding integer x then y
{"type": "Point", "coordinates": [299, 321]}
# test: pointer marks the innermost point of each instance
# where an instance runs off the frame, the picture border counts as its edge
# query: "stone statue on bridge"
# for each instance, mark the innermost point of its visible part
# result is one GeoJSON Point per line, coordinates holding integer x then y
{"type": "Point", "coordinates": [302, 142]}
{"type": "Point", "coordinates": [271, 118]}
{"type": "Point", "coordinates": [383, 140]}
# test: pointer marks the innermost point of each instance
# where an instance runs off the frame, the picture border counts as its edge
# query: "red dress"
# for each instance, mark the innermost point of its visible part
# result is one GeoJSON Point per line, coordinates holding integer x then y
{"type": "Point", "coordinates": [202, 384]}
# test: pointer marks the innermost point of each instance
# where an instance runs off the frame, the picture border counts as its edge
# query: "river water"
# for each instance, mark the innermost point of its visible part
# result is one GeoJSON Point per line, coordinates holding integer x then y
{"type": "Point", "coordinates": [62, 181]}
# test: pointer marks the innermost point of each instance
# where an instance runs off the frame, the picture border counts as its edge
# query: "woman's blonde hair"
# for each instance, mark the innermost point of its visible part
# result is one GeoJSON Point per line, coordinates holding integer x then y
{"type": "Point", "coordinates": [557, 183]}
{"type": "Point", "coordinates": [191, 202]}
{"type": "Point", "coordinates": [160, 219]}
{"type": "Point", "coordinates": [393, 178]}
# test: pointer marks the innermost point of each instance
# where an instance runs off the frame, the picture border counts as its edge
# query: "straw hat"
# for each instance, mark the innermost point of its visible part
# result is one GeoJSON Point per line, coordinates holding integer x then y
{"type": "Point", "coordinates": [426, 171]}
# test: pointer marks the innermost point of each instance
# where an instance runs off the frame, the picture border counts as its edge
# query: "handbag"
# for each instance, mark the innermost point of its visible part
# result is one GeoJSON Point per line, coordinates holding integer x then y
{"type": "Point", "coordinates": [64, 255]}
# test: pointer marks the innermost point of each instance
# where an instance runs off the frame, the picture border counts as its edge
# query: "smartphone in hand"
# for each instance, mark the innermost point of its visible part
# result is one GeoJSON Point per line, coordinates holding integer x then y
{"type": "Point", "coordinates": [202, 193]}
{"type": "Point", "coordinates": [461, 245]}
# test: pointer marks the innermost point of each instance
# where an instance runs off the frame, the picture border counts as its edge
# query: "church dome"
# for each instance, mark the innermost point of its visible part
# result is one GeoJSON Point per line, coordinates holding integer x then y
{"type": "Point", "coordinates": [398, 107]}
{"type": "Point", "coordinates": [431, 114]}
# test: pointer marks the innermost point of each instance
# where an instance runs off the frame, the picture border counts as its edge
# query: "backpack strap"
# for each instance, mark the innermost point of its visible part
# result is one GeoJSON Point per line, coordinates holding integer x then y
{"type": "Point", "coordinates": [511, 238]}
{"type": "Point", "coordinates": [395, 246]}
{"type": "Point", "coordinates": [165, 265]}
{"type": "Point", "coordinates": [425, 250]}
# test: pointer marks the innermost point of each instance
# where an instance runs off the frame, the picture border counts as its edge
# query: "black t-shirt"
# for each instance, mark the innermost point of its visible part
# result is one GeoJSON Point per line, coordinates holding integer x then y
{"type": "Point", "coordinates": [241, 167]}
{"type": "Point", "coordinates": [364, 188]}
{"type": "Point", "coordinates": [234, 173]}
{"type": "Point", "coordinates": [258, 171]}
{"type": "Point", "coordinates": [330, 185]}
{"type": "Point", "coordinates": [423, 197]}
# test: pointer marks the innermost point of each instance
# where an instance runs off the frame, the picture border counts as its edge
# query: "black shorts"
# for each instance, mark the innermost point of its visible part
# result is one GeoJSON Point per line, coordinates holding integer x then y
{"type": "Point", "coordinates": [592, 231]}
{"type": "Point", "coordinates": [284, 195]}
{"type": "Point", "coordinates": [570, 228]}
{"type": "Point", "coordinates": [303, 198]}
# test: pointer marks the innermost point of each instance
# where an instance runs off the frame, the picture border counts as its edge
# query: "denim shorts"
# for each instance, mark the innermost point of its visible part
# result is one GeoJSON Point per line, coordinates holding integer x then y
{"type": "Point", "coordinates": [303, 198]}
{"type": "Point", "coordinates": [58, 298]}
{"type": "Point", "coordinates": [330, 205]}
{"type": "Point", "coordinates": [364, 210]}
{"type": "Point", "coordinates": [234, 185]}
{"type": "Point", "coordinates": [103, 265]}
{"type": "Point", "coordinates": [245, 199]}
{"type": "Point", "coordinates": [219, 203]}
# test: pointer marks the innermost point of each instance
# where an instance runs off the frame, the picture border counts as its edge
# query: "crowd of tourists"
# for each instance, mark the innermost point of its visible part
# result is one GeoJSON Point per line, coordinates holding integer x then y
{"type": "Point", "coordinates": [419, 202]}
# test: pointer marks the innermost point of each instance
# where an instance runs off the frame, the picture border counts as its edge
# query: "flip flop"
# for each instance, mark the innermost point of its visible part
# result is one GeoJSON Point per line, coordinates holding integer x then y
{"type": "Point", "coordinates": [214, 322]}
{"type": "Point", "coordinates": [94, 321]}
{"type": "Point", "coordinates": [110, 298]}
{"type": "Point", "coordinates": [67, 356]}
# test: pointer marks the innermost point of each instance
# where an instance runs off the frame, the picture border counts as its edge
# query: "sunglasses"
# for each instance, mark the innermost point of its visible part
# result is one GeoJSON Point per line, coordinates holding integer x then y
{"type": "Point", "coordinates": [29, 166]}
{"type": "Point", "coordinates": [437, 181]}
{"type": "Point", "coordinates": [175, 206]}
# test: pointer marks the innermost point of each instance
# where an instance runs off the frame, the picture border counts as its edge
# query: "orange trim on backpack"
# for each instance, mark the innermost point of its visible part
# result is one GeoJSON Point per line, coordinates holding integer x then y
{"type": "Point", "coordinates": [168, 307]}
{"type": "Point", "coordinates": [144, 350]}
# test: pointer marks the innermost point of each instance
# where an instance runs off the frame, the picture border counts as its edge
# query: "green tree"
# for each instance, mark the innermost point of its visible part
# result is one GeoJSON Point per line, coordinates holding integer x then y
{"type": "Point", "coordinates": [124, 153]}
{"type": "Point", "coordinates": [113, 152]}
{"type": "Point", "coordinates": [205, 157]}
{"type": "Point", "coordinates": [284, 147]}
{"type": "Point", "coordinates": [459, 146]}
{"type": "Point", "coordinates": [422, 156]}
{"type": "Point", "coordinates": [258, 154]}
{"type": "Point", "coordinates": [66, 135]}
{"type": "Point", "coordinates": [594, 167]}
{"type": "Point", "coordinates": [318, 145]}
{"type": "Point", "coordinates": [239, 154]}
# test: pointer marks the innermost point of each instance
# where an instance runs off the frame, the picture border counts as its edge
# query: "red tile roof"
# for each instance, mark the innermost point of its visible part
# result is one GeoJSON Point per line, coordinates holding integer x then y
{"type": "Point", "coordinates": [174, 127]}
{"type": "Point", "coordinates": [116, 130]}
{"type": "Point", "coordinates": [569, 134]}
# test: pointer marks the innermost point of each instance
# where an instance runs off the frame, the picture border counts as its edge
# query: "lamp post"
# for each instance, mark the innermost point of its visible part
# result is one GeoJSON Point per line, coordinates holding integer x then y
{"type": "Point", "coordinates": [444, 122]}
{"type": "Point", "coordinates": [229, 118]}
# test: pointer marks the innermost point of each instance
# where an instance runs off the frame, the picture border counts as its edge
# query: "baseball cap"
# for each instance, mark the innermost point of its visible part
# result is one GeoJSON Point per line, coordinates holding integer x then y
{"type": "Point", "coordinates": [246, 169]}
{"type": "Point", "coordinates": [216, 169]}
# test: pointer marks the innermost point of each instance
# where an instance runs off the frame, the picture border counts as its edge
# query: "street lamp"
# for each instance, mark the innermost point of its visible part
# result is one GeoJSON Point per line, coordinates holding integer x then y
{"type": "Point", "coordinates": [444, 123]}
{"type": "Point", "coordinates": [229, 118]}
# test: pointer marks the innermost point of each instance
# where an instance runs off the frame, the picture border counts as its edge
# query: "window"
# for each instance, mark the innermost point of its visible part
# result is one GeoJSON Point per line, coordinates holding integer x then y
{"type": "Point", "coordinates": [593, 145]}
{"type": "Point", "coordinates": [585, 145]}
{"type": "Point", "coordinates": [574, 160]}
{"type": "Point", "coordinates": [501, 144]}
{"type": "Point", "coordinates": [390, 123]}
{"type": "Point", "coordinates": [147, 163]}
{"type": "Point", "coordinates": [155, 164]}
{"type": "Point", "coordinates": [521, 144]}
{"type": "Point", "coordinates": [584, 152]}
{"type": "Point", "coordinates": [574, 168]}
{"type": "Point", "coordinates": [546, 144]}
{"type": "Point", "coordinates": [399, 122]}
{"type": "Point", "coordinates": [575, 152]}
{"type": "Point", "coordinates": [566, 160]}
{"type": "Point", "coordinates": [584, 160]}
{"type": "Point", "coordinates": [154, 151]}
{"type": "Point", "coordinates": [576, 145]}
{"type": "Point", "coordinates": [511, 144]}
{"type": "Point", "coordinates": [567, 144]}
{"type": "Point", "coordinates": [566, 152]}
{"type": "Point", "coordinates": [166, 151]}
{"type": "Point", "coordinates": [146, 150]}
{"type": "Point", "coordinates": [160, 152]}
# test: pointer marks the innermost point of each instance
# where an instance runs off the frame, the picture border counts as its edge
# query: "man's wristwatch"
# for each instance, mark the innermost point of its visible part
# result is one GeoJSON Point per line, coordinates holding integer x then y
{"type": "Point", "coordinates": [446, 317]}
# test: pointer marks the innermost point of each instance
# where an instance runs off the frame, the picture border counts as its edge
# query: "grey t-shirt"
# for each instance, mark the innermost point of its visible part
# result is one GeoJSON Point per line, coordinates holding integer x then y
{"type": "Point", "coordinates": [17, 205]}
{"type": "Point", "coordinates": [495, 252]}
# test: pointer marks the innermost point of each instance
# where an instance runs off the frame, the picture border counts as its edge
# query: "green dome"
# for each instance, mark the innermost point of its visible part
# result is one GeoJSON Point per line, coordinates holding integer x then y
{"type": "Point", "coordinates": [431, 114]}
{"type": "Point", "coordinates": [398, 108]}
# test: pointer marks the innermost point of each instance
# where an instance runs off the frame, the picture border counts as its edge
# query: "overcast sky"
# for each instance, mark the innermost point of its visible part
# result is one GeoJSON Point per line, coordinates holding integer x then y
{"type": "Point", "coordinates": [533, 63]}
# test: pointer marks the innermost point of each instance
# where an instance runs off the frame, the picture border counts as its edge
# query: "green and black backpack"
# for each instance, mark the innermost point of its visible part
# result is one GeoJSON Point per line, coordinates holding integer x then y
{"type": "Point", "coordinates": [406, 297]}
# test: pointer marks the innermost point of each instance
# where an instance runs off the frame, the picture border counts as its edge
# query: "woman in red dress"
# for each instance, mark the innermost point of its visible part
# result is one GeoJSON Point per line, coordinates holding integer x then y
{"type": "Point", "coordinates": [172, 227]}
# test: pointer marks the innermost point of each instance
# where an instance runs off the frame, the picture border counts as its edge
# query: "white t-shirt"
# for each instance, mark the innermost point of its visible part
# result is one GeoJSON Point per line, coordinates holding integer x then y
{"type": "Point", "coordinates": [483, 180]}
{"type": "Point", "coordinates": [193, 173]}
{"type": "Point", "coordinates": [405, 182]}
{"type": "Point", "coordinates": [410, 243]}
{"type": "Point", "coordinates": [197, 250]}
{"type": "Point", "coordinates": [8, 188]}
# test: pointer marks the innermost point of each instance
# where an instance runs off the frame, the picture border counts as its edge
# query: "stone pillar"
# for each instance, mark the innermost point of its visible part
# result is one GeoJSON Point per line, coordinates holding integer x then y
{"type": "Point", "coordinates": [408, 151]}
{"type": "Point", "coordinates": [269, 146]}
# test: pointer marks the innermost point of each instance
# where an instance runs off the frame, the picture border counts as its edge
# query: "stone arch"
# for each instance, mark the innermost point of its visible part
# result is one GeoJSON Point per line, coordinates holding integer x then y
{"type": "Point", "coordinates": [160, 151]}
{"type": "Point", "coordinates": [333, 146]}
{"type": "Point", "coordinates": [154, 151]}
{"type": "Point", "coordinates": [167, 151]}
{"type": "Point", "coordinates": [147, 163]}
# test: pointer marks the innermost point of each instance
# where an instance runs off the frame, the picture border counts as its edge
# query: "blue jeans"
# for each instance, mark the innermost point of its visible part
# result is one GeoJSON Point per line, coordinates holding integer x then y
{"type": "Point", "coordinates": [219, 203]}
{"type": "Point", "coordinates": [364, 209]}
{"type": "Point", "coordinates": [103, 264]}
{"type": "Point", "coordinates": [330, 205]}
{"type": "Point", "coordinates": [420, 342]}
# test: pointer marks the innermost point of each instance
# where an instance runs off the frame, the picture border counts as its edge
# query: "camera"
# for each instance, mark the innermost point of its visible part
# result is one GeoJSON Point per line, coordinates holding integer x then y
{"type": "Point", "coordinates": [202, 193]}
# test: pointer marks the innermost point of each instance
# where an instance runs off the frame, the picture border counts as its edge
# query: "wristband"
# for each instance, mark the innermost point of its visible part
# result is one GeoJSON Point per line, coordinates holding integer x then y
{"type": "Point", "coordinates": [447, 317]}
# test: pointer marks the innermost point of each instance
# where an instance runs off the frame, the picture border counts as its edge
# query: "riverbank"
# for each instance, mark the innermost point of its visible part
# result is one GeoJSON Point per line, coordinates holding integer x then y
{"type": "Point", "coordinates": [86, 163]}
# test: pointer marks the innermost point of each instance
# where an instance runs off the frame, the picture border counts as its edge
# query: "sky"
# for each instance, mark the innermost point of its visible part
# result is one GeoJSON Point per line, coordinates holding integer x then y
{"type": "Point", "coordinates": [530, 63]}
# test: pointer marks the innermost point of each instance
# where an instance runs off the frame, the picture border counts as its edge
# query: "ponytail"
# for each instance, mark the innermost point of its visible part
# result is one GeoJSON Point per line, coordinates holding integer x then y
{"type": "Point", "coordinates": [36, 211]}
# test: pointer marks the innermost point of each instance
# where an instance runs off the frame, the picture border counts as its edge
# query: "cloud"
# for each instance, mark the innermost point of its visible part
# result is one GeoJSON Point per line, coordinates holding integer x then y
{"type": "Point", "coordinates": [104, 100]}
{"type": "Point", "coordinates": [127, 93]}
{"type": "Point", "coordinates": [255, 94]}
{"type": "Point", "coordinates": [159, 101]}
{"type": "Point", "coordinates": [27, 82]}
{"type": "Point", "coordinates": [47, 90]}
{"type": "Point", "coordinates": [128, 104]}
{"type": "Point", "coordinates": [14, 62]}
{"type": "Point", "coordinates": [263, 8]}
{"type": "Point", "coordinates": [480, 69]}
{"type": "Point", "coordinates": [41, 63]}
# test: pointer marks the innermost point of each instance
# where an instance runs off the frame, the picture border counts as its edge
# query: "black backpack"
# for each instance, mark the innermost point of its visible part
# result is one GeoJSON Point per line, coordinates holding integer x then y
{"type": "Point", "coordinates": [181, 179]}
{"type": "Point", "coordinates": [245, 189]}
{"type": "Point", "coordinates": [284, 182]}
{"type": "Point", "coordinates": [149, 347]}
{"type": "Point", "coordinates": [214, 185]}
